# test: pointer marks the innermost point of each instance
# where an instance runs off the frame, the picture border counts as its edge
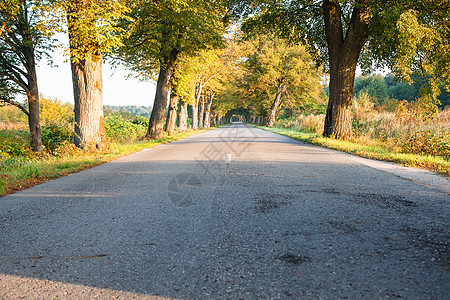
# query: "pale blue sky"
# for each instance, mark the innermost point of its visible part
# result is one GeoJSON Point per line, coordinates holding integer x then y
{"type": "Point", "coordinates": [56, 82]}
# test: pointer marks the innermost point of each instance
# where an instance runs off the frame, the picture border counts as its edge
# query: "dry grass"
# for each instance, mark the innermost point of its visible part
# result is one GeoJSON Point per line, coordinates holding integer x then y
{"type": "Point", "coordinates": [410, 135]}
{"type": "Point", "coordinates": [310, 123]}
{"type": "Point", "coordinates": [12, 126]}
{"type": "Point", "coordinates": [402, 131]}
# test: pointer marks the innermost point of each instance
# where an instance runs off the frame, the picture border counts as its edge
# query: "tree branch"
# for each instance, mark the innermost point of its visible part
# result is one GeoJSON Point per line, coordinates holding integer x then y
{"type": "Point", "coordinates": [15, 78]}
{"type": "Point", "coordinates": [16, 104]}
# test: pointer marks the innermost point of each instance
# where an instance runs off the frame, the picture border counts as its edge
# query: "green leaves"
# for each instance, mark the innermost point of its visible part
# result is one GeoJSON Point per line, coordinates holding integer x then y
{"type": "Point", "coordinates": [92, 26]}
{"type": "Point", "coordinates": [423, 50]}
{"type": "Point", "coordinates": [156, 28]}
{"type": "Point", "coordinates": [273, 65]}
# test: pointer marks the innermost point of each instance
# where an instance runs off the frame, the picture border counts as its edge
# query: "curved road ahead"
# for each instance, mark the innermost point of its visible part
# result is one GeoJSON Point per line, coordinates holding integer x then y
{"type": "Point", "coordinates": [233, 213]}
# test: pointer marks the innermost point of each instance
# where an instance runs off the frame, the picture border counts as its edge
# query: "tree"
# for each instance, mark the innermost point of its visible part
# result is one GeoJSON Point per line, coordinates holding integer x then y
{"type": "Point", "coordinates": [209, 65]}
{"type": "Point", "coordinates": [343, 32]}
{"type": "Point", "coordinates": [159, 32]}
{"type": "Point", "coordinates": [91, 25]}
{"type": "Point", "coordinates": [200, 78]}
{"type": "Point", "coordinates": [8, 11]}
{"type": "Point", "coordinates": [21, 43]}
{"type": "Point", "coordinates": [173, 107]}
{"type": "Point", "coordinates": [338, 30]}
{"type": "Point", "coordinates": [423, 47]}
{"type": "Point", "coordinates": [277, 72]}
{"type": "Point", "coordinates": [374, 86]}
{"type": "Point", "coordinates": [403, 91]}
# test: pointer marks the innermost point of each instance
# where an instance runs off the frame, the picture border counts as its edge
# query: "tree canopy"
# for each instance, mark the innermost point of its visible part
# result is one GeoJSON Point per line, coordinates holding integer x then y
{"type": "Point", "coordinates": [198, 57]}
{"type": "Point", "coordinates": [157, 28]}
{"type": "Point", "coordinates": [342, 33]}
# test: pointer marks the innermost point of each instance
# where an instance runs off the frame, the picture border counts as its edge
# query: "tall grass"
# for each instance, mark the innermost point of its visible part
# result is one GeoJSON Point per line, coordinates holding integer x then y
{"type": "Point", "coordinates": [407, 134]}
{"type": "Point", "coordinates": [405, 130]}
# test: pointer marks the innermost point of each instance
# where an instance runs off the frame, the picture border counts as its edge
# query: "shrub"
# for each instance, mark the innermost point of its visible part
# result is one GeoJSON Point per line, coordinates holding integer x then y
{"type": "Point", "coordinates": [428, 142]}
{"type": "Point", "coordinates": [53, 111]}
{"type": "Point", "coordinates": [140, 120]}
{"type": "Point", "coordinates": [54, 135]}
{"type": "Point", "coordinates": [390, 105]}
{"type": "Point", "coordinates": [310, 123]}
{"type": "Point", "coordinates": [14, 142]}
{"type": "Point", "coordinates": [362, 104]}
{"type": "Point", "coordinates": [12, 115]}
{"type": "Point", "coordinates": [120, 130]}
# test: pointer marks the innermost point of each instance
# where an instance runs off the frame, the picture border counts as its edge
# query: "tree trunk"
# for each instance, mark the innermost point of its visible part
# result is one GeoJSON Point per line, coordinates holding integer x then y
{"type": "Point", "coordinates": [213, 118]}
{"type": "Point", "coordinates": [24, 51]}
{"type": "Point", "coordinates": [274, 108]}
{"type": "Point", "coordinates": [182, 116]}
{"type": "Point", "coordinates": [343, 57]}
{"type": "Point", "coordinates": [33, 101]}
{"type": "Point", "coordinates": [86, 65]}
{"type": "Point", "coordinates": [202, 112]}
{"type": "Point", "coordinates": [88, 98]}
{"type": "Point", "coordinates": [157, 118]}
{"type": "Point", "coordinates": [194, 116]}
{"type": "Point", "coordinates": [195, 103]}
{"type": "Point", "coordinates": [206, 123]}
{"type": "Point", "coordinates": [173, 106]}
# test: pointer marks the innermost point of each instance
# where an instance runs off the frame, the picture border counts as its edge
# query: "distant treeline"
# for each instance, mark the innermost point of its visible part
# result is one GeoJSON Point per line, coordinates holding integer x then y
{"type": "Point", "coordinates": [127, 112]}
{"type": "Point", "coordinates": [383, 88]}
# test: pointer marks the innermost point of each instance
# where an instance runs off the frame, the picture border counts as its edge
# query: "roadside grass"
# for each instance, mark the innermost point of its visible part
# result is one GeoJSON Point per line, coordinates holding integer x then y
{"type": "Point", "coordinates": [24, 171]}
{"type": "Point", "coordinates": [437, 164]}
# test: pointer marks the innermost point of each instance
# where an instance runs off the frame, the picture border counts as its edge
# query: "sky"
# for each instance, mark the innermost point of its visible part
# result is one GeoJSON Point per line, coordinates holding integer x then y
{"type": "Point", "coordinates": [56, 82]}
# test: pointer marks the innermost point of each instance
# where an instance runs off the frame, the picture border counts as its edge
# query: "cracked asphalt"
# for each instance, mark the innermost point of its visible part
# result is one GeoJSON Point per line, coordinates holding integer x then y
{"type": "Point", "coordinates": [233, 213]}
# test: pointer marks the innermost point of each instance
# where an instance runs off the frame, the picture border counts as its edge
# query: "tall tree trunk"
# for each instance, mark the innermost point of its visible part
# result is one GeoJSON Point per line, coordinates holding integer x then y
{"type": "Point", "coordinates": [23, 44]}
{"type": "Point", "coordinates": [213, 117]}
{"type": "Point", "coordinates": [343, 57]}
{"type": "Point", "coordinates": [172, 115]}
{"type": "Point", "coordinates": [264, 121]}
{"type": "Point", "coordinates": [88, 97]}
{"type": "Point", "coordinates": [195, 104]}
{"type": "Point", "coordinates": [274, 108]}
{"type": "Point", "coordinates": [202, 112]}
{"type": "Point", "coordinates": [86, 65]}
{"type": "Point", "coordinates": [206, 123]}
{"type": "Point", "coordinates": [157, 118]}
{"type": "Point", "coordinates": [33, 101]}
{"type": "Point", "coordinates": [194, 115]}
{"type": "Point", "coordinates": [182, 116]}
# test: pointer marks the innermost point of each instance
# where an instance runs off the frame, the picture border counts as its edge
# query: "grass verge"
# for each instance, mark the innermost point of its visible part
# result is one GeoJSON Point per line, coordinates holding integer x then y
{"type": "Point", "coordinates": [437, 164]}
{"type": "Point", "coordinates": [17, 173]}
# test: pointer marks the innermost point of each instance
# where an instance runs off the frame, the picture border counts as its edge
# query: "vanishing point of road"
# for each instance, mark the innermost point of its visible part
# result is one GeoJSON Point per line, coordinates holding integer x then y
{"type": "Point", "coordinates": [232, 213]}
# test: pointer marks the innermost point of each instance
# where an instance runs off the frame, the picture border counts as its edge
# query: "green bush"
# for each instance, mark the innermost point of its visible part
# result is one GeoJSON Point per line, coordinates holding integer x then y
{"type": "Point", "coordinates": [11, 162]}
{"type": "Point", "coordinates": [140, 120]}
{"type": "Point", "coordinates": [14, 142]}
{"type": "Point", "coordinates": [429, 143]}
{"type": "Point", "coordinates": [120, 130]}
{"type": "Point", "coordinates": [54, 135]}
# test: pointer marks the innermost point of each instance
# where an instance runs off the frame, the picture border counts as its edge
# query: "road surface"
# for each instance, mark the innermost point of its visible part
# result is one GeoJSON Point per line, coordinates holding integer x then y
{"type": "Point", "coordinates": [233, 213]}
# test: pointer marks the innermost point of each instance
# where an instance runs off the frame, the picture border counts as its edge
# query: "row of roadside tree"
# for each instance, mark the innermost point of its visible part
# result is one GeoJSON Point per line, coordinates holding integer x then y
{"type": "Point", "coordinates": [189, 48]}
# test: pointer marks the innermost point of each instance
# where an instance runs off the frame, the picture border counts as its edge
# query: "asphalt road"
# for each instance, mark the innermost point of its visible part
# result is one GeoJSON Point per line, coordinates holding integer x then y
{"type": "Point", "coordinates": [233, 213]}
